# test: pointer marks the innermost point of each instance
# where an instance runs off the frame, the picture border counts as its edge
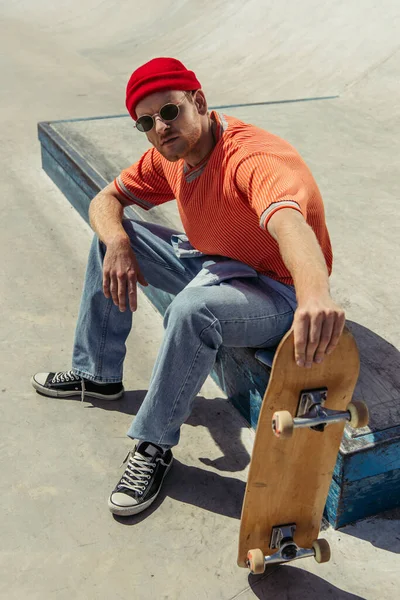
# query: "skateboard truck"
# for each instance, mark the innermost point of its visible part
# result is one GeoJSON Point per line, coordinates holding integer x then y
{"type": "Point", "coordinates": [311, 412]}
{"type": "Point", "coordinates": [287, 550]}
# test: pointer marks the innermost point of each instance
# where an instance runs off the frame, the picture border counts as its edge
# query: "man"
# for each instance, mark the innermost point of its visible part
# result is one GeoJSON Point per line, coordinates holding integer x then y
{"type": "Point", "coordinates": [254, 224]}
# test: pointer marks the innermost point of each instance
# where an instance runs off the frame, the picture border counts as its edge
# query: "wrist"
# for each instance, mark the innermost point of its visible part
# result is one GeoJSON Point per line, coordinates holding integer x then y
{"type": "Point", "coordinates": [119, 238]}
{"type": "Point", "coordinates": [307, 295]}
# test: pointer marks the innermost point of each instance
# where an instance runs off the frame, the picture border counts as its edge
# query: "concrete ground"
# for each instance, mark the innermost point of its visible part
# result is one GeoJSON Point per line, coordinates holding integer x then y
{"type": "Point", "coordinates": [60, 459]}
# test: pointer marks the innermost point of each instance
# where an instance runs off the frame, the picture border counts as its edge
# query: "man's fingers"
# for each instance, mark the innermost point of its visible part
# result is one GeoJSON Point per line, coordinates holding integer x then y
{"type": "Point", "coordinates": [325, 338]}
{"type": "Point", "coordinates": [301, 325]}
{"type": "Point", "coordinates": [337, 332]}
{"type": "Point", "coordinates": [132, 293]}
{"type": "Point", "coordinates": [313, 339]}
{"type": "Point", "coordinates": [121, 278]}
{"type": "Point", "coordinates": [120, 274]}
{"type": "Point", "coordinates": [119, 287]}
{"type": "Point", "coordinates": [317, 327]}
{"type": "Point", "coordinates": [106, 284]}
{"type": "Point", "coordinates": [114, 289]}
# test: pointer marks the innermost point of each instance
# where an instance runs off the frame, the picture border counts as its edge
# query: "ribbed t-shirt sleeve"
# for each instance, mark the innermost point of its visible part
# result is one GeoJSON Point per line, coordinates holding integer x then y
{"type": "Point", "coordinates": [144, 183]}
{"type": "Point", "coordinates": [269, 184]}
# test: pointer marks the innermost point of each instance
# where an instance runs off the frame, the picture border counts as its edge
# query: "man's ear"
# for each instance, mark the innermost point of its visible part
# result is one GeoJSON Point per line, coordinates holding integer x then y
{"type": "Point", "coordinates": [200, 102]}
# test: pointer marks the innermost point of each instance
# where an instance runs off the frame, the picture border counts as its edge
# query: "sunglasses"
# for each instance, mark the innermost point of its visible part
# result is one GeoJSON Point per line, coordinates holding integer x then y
{"type": "Point", "coordinates": [168, 112]}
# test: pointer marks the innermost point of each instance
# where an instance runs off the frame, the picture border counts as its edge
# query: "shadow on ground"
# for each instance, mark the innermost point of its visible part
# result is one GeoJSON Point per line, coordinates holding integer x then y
{"type": "Point", "coordinates": [382, 531]}
{"type": "Point", "coordinates": [293, 583]}
{"type": "Point", "coordinates": [379, 381]}
{"type": "Point", "coordinates": [216, 415]}
{"type": "Point", "coordinates": [205, 489]}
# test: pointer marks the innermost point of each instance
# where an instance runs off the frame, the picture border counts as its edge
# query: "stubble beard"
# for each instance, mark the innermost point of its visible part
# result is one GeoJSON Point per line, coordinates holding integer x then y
{"type": "Point", "coordinates": [189, 143]}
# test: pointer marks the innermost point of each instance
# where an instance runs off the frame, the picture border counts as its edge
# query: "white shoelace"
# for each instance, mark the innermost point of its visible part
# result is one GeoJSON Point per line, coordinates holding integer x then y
{"type": "Point", "coordinates": [137, 473]}
{"type": "Point", "coordinates": [69, 377]}
{"type": "Point", "coordinates": [65, 377]}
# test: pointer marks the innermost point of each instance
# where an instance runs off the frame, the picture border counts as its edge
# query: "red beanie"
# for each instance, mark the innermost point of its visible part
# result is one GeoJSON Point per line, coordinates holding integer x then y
{"type": "Point", "coordinates": [157, 75]}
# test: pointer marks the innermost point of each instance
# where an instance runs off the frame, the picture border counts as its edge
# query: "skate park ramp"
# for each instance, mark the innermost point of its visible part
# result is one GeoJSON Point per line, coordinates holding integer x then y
{"type": "Point", "coordinates": [243, 52]}
{"type": "Point", "coordinates": [71, 60]}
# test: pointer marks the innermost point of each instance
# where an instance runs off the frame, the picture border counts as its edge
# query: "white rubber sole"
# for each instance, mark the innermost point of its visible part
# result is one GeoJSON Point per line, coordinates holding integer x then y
{"type": "Point", "coordinates": [128, 511]}
{"type": "Point", "coordinates": [60, 394]}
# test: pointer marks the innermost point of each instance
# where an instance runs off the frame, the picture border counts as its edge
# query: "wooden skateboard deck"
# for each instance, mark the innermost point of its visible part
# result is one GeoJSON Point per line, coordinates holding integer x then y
{"type": "Point", "coordinates": [289, 479]}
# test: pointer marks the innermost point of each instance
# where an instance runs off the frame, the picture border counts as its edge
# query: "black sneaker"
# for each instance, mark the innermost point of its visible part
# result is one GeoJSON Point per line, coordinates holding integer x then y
{"type": "Point", "coordinates": [141, 482]}
{"type": "Point", "coordinates": [65, 384]}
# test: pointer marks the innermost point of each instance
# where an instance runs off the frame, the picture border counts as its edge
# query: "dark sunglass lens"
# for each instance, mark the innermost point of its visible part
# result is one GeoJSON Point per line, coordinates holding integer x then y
{"type": "Point", "coordinates": [144, 124]}
{"type": "Point", "coordinates": [169, 112]}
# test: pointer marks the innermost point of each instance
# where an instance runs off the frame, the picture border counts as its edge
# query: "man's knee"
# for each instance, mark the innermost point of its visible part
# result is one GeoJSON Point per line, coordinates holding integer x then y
{"type": "Point", "coordinates": [190, 310]}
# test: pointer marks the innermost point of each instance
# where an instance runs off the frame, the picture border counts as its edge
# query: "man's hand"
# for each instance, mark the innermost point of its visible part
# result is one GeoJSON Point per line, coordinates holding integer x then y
{"type": "Point", "coordinates": [121, 273]}
{"type": "Point", "coordinates": [318, 324]}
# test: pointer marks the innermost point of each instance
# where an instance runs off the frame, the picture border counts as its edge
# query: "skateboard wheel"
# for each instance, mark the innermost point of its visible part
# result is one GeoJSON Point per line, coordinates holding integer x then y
{"type": "Point", "coordinates": [255, 561]}
{"type": "Point", "coordinates": [322, 551]}
{"type": "Point", "coordinates": [282, 424]}
{"type": "Point", "coordinates": [359, 415]}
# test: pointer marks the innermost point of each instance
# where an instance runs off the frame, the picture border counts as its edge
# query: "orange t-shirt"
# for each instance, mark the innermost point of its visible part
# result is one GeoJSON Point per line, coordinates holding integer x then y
{"type": "Point", "coordinates": [225, 202]}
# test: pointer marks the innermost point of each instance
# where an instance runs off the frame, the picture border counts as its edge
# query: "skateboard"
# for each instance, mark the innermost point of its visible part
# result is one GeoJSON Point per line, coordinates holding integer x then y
{"type": "Point", "coordinates": [300, 427]}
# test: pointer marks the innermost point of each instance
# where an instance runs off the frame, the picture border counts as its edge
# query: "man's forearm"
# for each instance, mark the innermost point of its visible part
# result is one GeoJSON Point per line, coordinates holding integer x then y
{"type": "Point", "coordinates": [303, 257]}
{"type": "Point", "coordinates": [318, 322]}
{"type": "Point", "coordinates": [105, 215]}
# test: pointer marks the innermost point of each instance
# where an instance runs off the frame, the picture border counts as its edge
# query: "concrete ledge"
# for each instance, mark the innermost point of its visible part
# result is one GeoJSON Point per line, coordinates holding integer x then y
{"type": "Point", "coordinates": [367, 473]}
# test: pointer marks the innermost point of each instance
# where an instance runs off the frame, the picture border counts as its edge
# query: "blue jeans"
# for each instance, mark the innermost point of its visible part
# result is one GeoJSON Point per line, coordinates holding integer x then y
{"type": "Point", "coordinates": [236, 312]}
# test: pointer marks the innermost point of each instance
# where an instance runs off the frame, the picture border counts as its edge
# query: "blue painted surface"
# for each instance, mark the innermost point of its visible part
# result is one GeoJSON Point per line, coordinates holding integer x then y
{"type": "Point", "coordinates": [266, 357]}
{"type": "Point", "coordinates": [380, 459]}
{"type": "Point", "coordinates": [370, 459]}
{"type": "Point", "coordinates": [243, 380]}
{"type": "Point", "coordinates": [71, 161]}
{"type": "Point", "coordinates": [360, 499]}
{"type": "Point", "coordinates": [67, 185]}
{"type": "Point", "coordinates": [338, 470]}
{"type": "Point", "coordinates": [333, 506]}
{"type": "Point", "coordinates": [367, 473]}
